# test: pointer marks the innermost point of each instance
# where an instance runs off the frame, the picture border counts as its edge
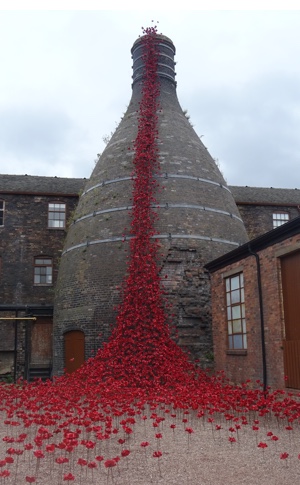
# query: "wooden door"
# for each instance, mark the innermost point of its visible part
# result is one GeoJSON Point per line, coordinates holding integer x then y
{"type": "Point", "coordinates": [290, 273]}
{"type": "Point", "coordinates": [41, 342]}
{"type": "Point", "coordinates": [74, 350]}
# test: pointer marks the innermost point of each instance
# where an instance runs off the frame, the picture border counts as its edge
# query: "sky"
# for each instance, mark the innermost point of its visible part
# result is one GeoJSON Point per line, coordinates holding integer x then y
{"type": "Point", "coordinates": [66, 73]}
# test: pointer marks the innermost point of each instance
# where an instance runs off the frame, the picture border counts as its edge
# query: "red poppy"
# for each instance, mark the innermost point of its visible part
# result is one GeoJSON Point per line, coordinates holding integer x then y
{"type": "Point", "coordinates": [284, 455]}
{"type": "Point", "coordinates": [39, 454]}
{"type": "Point", "coordinates": [5, 473]}
{"type": "Point", "coordinates": [125, 453]}
{"type": "Point", "coordinates": [69, 477]}
{"type": "Point", "coordinates": [262, 445]}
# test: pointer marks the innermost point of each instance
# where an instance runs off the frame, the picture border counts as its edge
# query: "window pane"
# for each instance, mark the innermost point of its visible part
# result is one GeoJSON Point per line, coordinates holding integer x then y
{"type": "Point", "coordinates": [236, 312]}
{"type": "Point", "coordinates": [227, 284]}
{"type": "Point", "coordinates": [237, 326]}
{"type": "Point", "coordinates": [243, 310]}
{"type": "Point", "coordinates": [235, 296]}
{"type": "Point", "coordinates": [229, 313]}
{"type": "Point", "coordinates": [229, 328]}
{"type": "Point", "coordinates": [230, 342]}
{"type": "Point", "coordinates": [235, 282]}
{"type": "Point", "coordinates": [1, 212]}
{"type": "Point", "coordinates": [237, 341]}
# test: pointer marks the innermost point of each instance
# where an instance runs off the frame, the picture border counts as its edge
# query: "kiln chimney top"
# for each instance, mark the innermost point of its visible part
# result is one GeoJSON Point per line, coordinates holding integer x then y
{"type": "Point", "coordinates": [166, 64]}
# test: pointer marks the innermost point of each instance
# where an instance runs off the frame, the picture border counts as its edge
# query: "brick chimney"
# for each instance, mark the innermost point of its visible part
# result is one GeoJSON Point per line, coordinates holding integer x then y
{"type": "Point", "coordinates": [198, 221]}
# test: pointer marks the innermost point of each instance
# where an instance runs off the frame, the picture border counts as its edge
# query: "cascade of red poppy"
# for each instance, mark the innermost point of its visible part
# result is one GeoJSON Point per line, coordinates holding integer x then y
{"type": "Point", "coordinates": [140, 349]}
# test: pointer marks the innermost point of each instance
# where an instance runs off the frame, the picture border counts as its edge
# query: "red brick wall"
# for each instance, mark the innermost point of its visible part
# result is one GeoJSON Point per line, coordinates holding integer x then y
{"type": "Point", "coordinates": [239, 368]}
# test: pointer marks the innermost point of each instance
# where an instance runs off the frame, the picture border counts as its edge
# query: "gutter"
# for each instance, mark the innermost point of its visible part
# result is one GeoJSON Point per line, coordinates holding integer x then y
{"type": "Point", "coordinates": [262, 323]}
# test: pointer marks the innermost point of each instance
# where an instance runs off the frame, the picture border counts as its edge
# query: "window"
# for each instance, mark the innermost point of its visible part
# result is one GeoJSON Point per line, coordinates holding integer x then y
{"type": "Point", "coordinates": [235, 302]}
{"type": "Point", "coordinates": [57, 215]}
{"type": "Point", "coordinates": [280, 218]}
{"type": "Point", "coordinates": [1, 212]}
{"type": "Point", "coordinates": [43, 271]}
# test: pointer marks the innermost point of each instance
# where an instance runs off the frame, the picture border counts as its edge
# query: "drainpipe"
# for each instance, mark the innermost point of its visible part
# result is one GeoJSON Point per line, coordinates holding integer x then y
{"type": "Point", "coordinates": [16, 347]}
{"type": "Point", "coordinates": [262, 323]}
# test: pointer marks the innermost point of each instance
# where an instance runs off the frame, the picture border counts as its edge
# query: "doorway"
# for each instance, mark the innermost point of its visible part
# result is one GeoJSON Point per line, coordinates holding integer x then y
{"type": "Point", "coordinates": [290, 274]}
{"type": "Point", "coordinates": [74, 350]}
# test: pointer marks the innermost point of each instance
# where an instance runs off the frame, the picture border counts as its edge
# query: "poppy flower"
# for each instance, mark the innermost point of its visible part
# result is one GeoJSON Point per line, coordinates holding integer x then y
{"type": "Point", "coordinates": [284, 456]}
{"type": "Point", "coordinates": [125, 453]}
{"type": "Point", "coordinates": [262, 445]}
{"type": "Point", "coordinates": [5, 473]}
{"type": "Point", "coordinates": [69, 477]}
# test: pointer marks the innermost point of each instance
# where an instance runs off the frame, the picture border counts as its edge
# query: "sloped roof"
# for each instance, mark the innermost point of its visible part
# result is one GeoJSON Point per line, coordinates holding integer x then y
{"type": "Point", "coordinates": [265, 195]}
{"type": "Point", "coordinates": [263, 241]}
{"type": "Point", "coordinates": [31, 184]}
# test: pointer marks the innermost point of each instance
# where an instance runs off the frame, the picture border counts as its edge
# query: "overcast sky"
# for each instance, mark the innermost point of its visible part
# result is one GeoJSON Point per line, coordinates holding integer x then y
{"type": "Point", "coordinates": [66, 81]}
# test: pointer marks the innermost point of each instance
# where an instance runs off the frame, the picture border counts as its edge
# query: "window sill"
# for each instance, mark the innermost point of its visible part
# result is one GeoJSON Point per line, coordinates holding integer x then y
{"type": "Point", "coordinates": [43, 284]}
{"type": "Point", "coordinates": [236, 352]}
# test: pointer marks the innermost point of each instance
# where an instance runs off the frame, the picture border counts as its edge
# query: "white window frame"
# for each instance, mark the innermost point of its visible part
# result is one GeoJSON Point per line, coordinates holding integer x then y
{"type": "Point", "coordinates": [280, 218]}
{"type": "Point", "coordinates": [57, 215]}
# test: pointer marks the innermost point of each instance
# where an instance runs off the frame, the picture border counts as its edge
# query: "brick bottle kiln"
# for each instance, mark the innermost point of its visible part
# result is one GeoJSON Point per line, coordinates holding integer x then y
{"type": "Point", "coordinates": [198, 221]}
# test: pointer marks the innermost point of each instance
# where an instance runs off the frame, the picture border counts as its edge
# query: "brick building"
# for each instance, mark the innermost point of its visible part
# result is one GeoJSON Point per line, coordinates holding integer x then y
{"type": "Point", "coordinates": [34, 212]}
{"type": "Point", "coordinates": [256, 309]}
{"type": "Point", "coordinates": [34, 215]}
{"type": "Point", "coordinates": [64, 242]}
{"type": "Point", "coordinates": [197, 220]}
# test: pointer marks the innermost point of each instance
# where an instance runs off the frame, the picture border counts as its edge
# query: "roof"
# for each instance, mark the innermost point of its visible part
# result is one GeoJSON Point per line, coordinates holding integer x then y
{"type": "Point", "coordinates": [274, 236]}
{"type": "Point", "coordinates": [31, 184]}
{"type": "Point", "coordinates": [265, 195]}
